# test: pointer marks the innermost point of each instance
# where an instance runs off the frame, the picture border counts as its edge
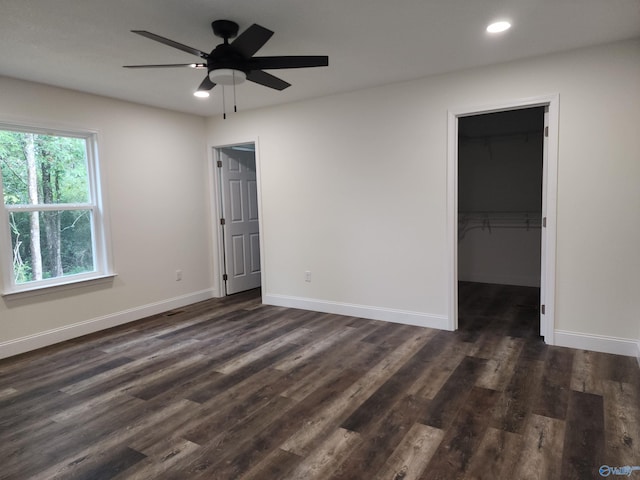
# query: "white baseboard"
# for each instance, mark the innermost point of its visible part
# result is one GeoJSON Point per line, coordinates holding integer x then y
{"type": "Point", "coordinates": [597, 343]}
{"type": "Point", "coordinates": [361, 311]}
{"type": "Point", "coordinates": [67, 332]}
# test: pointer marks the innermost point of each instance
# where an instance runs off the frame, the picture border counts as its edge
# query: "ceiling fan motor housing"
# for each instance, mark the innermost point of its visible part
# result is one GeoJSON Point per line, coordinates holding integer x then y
{"type": "Point", "coordinates": [225, 56]}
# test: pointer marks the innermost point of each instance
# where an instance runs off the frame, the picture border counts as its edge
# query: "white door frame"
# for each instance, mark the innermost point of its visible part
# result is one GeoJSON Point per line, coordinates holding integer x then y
{"type": "Point", "coordinates": [216, 195]}
{"type": "Point", "coordinates": [548, 234]}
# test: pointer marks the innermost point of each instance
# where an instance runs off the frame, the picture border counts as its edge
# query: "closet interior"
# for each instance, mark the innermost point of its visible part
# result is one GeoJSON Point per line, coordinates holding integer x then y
{"type": "Point", "coordinates": [500, 172]}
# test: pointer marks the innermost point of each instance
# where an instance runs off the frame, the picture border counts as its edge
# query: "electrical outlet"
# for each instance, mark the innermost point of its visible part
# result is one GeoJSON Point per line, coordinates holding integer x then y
{"type": "Point", "coordinates": [178, 275]}
{"type": "Point", "coordinates": [307, 276]}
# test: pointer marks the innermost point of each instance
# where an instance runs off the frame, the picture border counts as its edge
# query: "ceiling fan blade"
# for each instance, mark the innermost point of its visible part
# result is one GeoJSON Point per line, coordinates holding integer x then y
{"type": "Point", "coordinates": [252, 39]}
{"type": "Point", "coordinates": [171, 43]}
{"type": "Point", "coordinates": [206, 84]}
{"type": "Point", "coordinates": [169, 65]}
{"type": "Point", "coordinates": [268, 80]}
{"type": "Point", "coordinates": [267, 63]}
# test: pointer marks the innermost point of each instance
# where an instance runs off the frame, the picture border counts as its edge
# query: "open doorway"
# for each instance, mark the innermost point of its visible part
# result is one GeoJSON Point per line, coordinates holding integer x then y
{"type": "Point", "coordinates": [239, 219]}
{"type": "Point", "coordinates": [500, 184]}
{"type": "Point", "coordinates": [549, 106]}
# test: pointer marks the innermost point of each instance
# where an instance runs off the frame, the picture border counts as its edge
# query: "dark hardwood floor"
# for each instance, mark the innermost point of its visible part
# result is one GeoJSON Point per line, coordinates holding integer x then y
{"type": "Point", "coordinates": [504, 310]}
{"type": "Point", "coordinates": [231, 389]}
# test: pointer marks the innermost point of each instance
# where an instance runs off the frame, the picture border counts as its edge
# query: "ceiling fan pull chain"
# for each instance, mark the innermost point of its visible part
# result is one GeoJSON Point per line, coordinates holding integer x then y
{"type": "Point", "coordinates": [224, 108]}
{"type": "Point", "coordinates": [235, 108]}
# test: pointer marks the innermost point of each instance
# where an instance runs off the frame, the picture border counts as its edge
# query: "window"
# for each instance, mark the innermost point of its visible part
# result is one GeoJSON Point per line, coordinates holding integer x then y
{"type": "Point", "coordinates": [52, 230]}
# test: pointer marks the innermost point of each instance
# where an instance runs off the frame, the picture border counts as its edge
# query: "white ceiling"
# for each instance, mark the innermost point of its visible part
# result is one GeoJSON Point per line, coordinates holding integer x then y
{"type": "Point", "coordinates": [82, 44]}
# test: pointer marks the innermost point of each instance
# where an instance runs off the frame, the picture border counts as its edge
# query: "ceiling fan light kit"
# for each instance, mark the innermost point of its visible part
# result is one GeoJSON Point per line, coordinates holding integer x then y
{"type": "Point", "coordinates": [233, 63]}
{"type": "Point", "coordinates": [227, 76]}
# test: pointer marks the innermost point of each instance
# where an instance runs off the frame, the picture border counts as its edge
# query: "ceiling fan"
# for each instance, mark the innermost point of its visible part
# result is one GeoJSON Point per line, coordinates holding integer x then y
{"type": "Point", "coordinates": [232, 63]}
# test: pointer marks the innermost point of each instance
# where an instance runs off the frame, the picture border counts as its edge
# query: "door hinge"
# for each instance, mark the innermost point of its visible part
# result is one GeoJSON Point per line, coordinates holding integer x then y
{"type": "Point", "coordinates": [222, 222]}
{"type": "Point", "coordinates": [219, 163]}
{"type": "Point", "coordinates": [542, 309]}
{"type": "Point", "coordinates": [546, 131]}
{"type": "Point", "coordinates": [544, 222]}
{"type": "Point", "coordinates": [225, 277]}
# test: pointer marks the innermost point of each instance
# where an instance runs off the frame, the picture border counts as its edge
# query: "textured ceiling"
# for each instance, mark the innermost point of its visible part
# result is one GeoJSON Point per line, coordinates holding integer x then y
{"type": "Point", "coordinates": [82, 44]}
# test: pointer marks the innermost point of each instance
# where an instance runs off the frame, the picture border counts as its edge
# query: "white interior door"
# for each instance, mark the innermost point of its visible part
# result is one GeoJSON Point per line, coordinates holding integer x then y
{"type": "Point", "coordinates": [543, 239]}
{"type": "Point", "coordinates": [241, 233]}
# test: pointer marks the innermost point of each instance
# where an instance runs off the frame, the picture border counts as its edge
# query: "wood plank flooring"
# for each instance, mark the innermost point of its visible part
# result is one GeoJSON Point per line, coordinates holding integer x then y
{"type": "Point", "coordinates": [232, 389]}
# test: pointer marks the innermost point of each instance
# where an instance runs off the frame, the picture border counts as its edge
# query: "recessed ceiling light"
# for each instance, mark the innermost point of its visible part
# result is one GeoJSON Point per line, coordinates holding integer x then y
{"type": "Point", "coordinates": [201, 94]}
{"type": "Point", "coordinates": [498, 27]}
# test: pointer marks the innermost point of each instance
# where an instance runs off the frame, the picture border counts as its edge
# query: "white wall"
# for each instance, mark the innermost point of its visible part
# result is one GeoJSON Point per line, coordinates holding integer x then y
{"type": "Point", "coordinates": [156, 169]}
{"type": "Point", "coordinates": [506, 256]}
{"type": "Point", "coordinates": [354, 189]}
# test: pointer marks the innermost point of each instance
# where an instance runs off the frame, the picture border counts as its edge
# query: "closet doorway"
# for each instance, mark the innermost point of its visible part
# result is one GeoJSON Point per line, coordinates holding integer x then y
{"type": "Point", "coordinates": [500, 165]}
{"type": "Point", "coordinates": [502, 177]}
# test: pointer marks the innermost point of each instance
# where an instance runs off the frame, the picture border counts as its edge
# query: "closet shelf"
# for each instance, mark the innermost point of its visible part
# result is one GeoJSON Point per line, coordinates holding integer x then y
{"type": "Point", "coordinates": [502, 220]}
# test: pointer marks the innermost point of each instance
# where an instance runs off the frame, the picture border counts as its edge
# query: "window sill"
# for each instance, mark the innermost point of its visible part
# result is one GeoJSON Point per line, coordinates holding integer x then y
{"type": "Point", "coordinates": [70, 284]}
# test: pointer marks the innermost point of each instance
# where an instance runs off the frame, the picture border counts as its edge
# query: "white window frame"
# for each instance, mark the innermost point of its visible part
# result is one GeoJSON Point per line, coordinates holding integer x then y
{"type": "Point", "coordinates": [103, 268]}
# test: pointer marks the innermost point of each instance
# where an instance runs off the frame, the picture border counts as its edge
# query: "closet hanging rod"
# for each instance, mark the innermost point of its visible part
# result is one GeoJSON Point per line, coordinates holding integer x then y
{"type": "Point", "coordinates": [497, 220]}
